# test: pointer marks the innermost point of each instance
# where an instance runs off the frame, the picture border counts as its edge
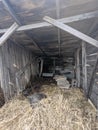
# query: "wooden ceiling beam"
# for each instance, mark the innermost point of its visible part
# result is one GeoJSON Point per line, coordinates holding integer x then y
{"type": "Point", "coordinates": [11, 11]}
{"type": "Point", "coordinates": [72, 31]}
{"type": "Point", "coordinates": [8, 33]}
{"type": "Point", "coordinates": [63, 20]}
{"type": "Point", "coordinates": [18, 21]}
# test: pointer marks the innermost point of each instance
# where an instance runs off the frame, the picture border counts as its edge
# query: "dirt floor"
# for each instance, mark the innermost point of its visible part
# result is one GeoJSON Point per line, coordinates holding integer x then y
{"type": "Point", "coordinates": [61, 110]}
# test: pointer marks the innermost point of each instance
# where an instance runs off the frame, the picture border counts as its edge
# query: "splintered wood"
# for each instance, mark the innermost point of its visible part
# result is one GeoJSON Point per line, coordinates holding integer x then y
{"type": "Point", "coordinates": [61, 110]}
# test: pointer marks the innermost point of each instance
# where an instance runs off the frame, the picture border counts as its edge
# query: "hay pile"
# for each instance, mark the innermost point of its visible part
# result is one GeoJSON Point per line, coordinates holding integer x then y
{"type": "Point", "coordinates": [61, 110]}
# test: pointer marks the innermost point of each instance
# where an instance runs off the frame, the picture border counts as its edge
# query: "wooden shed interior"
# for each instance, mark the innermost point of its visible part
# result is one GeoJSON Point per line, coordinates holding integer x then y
{"type": "Point", "coordinates": [44, 38]}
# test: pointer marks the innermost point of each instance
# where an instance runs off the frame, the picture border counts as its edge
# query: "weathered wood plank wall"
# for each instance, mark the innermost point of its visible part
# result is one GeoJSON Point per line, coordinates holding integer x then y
{"type": "Point", "coordinates": [91, 60]}
{"type": "Point", "coordinates": [90, 63]}
{"type": "Point", "coordinates": [12, 59]}
{"type": "Point", "coordinates": [0, 67]}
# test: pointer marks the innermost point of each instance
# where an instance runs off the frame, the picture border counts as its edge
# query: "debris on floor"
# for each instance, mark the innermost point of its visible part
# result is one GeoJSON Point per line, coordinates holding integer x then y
{"type": "Point", "coordinates": [62, 82]}
{"type": "Point", "coordinates": [62, 110]}
{"type": "Point", "coordinates": [35, 98]}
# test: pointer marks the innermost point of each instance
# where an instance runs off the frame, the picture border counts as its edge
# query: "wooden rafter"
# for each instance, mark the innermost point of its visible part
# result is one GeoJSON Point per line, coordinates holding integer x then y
{"type": "Point", "coordinates": [8, 33]}
{"type": "Point", "coordinates": [17, 20]}
{"type": "Point", "coordinates": [63, 20]}
{"type": "Point", "coordinates": [72, 31]}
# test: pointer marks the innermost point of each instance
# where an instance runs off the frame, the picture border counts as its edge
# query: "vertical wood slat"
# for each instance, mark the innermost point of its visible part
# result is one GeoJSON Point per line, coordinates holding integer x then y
{"type": "Point", "coordinates": [14, 58]}
{"type": "Point", "coordinates": [0, 67]}
{"type": "Point", "coordinates": [1, 71]}
{"type": "Point", "coordinates": [78, 67]}
{"type": "Point", "coordinates": [84, 68]}
{"type": "Point", "coordinates": [92, 78]}
{"type": "Point", "coordinates": [4, 76]}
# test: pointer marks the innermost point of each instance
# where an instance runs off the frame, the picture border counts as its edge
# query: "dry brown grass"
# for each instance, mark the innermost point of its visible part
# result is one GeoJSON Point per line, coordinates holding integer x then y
{"type": "Point", "coordinates": [61, 110]}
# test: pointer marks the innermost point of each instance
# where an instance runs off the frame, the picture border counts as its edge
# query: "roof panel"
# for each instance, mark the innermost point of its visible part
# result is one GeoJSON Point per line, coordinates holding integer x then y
{"type": "Point", "coordinates": [33, 11]}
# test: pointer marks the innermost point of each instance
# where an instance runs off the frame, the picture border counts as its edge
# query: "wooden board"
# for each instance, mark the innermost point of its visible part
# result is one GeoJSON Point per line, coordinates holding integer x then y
{"type": "Point", "coordinates": [13, 59]}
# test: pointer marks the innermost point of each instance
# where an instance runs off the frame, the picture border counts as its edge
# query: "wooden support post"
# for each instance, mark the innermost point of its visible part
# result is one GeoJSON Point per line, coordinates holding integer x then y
{"type": "Point", "coordinates": [72, 31]}
{"type": "Point", "coordinates": [78, 67]}
{"type": "Point", "coordinates": [8, 33]}
{"type": "Point", "coordinates": [84, 68]}
{"type": "Point", "coordinates": [41, 67]}
{"type": "Point", "coordinates": [58, 16]}
{"type": "Point", "coordinates": [54, 65]}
